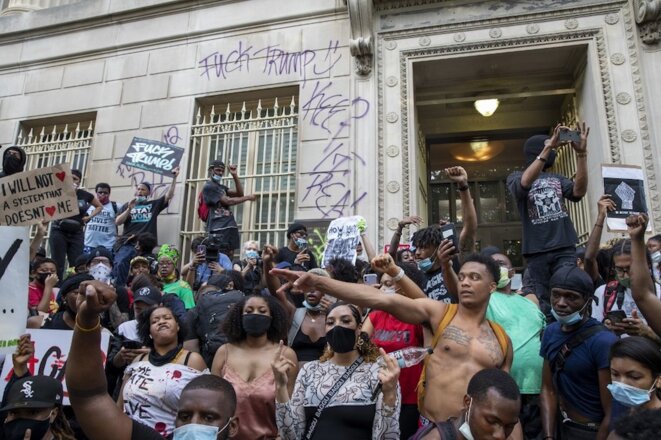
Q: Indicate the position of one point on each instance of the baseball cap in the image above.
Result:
(99, 251)
(34, 392)
(149, 295)
(216, 163)
(283, 265)
(295, 227)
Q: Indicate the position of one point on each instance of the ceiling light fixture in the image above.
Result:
(486, 107)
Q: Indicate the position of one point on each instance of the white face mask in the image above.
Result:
(100, 272)
(465, 428)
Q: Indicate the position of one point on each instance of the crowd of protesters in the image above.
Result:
(268, 344)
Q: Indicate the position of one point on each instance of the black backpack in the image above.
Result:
(212, 308)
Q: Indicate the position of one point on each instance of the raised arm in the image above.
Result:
(581, 177)
(384, 263)
(367, 244)
(238, 188)
(413, 311)
(468, 234)
(35, 244)
(98, 207)
(642, 286)
(397, 236)
(604, 205)
(86, 380)
(124, 215)
(173, 184)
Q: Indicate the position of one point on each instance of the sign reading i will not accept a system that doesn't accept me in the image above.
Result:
(37, 195)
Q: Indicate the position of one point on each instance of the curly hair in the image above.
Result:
(429, 236)
(642, 424)
(144, 326)
(232, 325)
(342, 270)
(364, 344)
(60, 427)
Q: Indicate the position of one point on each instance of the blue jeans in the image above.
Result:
(541, 267)
(122, 264)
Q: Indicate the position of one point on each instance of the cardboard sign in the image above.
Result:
(342, 238)
(154, 156)
(14, 279)
(41, 194)
(51, 350)
(626, 186)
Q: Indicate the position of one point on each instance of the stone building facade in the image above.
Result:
(331, 107)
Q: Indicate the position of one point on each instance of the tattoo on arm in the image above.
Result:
(454, 333)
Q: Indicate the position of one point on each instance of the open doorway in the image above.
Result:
(535, 89)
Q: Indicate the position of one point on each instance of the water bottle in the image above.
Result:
(409, 356)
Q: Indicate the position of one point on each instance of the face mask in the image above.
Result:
(656, 257)
(15, 430)
(255, 324)
(194, 431)
(12, 165)
(465, 428)
(426, 264)
(302, 243)
(311, 307)
(252, 255)
(628, 395)
(341, 339)
(504, 277)
(140, 200)
(100, 272)
(41, 277)
(216, 178)
(103, 199)
(624, 282)
(389, 290)
(569, 319)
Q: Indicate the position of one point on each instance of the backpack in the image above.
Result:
(211, 311)
(202, 208)
(450, 313)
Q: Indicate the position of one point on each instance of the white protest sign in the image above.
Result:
(342, 237)
(626, 186)
(51, 350)
(14, 279)
(41, 194)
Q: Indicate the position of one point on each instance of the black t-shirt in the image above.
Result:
(143, 432)
(84, 200)
(56, 322)
(286, 254)
(435, 287)
(143, 218)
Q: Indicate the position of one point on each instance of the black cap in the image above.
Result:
(533, 148)
(34, 392)
(216, 163)
(81, 260)
(572, 278)
(295, 227)
(77, 173)
(72, 283)
(149, 295)
(99, 251)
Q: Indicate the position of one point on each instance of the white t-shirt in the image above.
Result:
(627, 305)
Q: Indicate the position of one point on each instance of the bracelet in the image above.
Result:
(399, 276)
(88, 330)
(584, 154)
(462, 188)
(543, 159)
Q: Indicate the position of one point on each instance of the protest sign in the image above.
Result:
(626, 186)
(41, 194)
(154, 156)
(51, 350)
(342, 238)
(14, 279)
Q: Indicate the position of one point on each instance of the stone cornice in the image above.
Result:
(361, 43)
(648, 17)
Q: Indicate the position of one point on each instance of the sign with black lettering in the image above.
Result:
(41, 194)
(626, 186)
(14, 273)
(153, 156)
(51, 350)
(342, 238)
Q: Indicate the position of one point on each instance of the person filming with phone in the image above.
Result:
(549, 237)
(296, 252)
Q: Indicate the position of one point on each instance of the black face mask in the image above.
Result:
(15, 430)
(255, 324)
(341, 339)
(12, 165)
(41, 277)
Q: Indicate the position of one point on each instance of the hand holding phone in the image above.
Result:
(370, 279)
(616, 316)
(131, 345)
(569, 136)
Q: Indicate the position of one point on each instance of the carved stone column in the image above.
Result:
(648, 17)
(362, 40)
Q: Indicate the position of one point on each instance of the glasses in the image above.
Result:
(97, 260)
(622, 270)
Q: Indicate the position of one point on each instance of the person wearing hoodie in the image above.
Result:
(13, 161)
(549, 237)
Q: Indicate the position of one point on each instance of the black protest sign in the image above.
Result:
(154, 156)
(628, 195)
(37, 195)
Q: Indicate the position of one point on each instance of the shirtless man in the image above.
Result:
(468, 343)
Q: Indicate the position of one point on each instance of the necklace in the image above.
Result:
(312, 318)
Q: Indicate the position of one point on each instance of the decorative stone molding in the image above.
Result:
(392, 186)
(611, 19)
(393, 223)
(391, 45)
(392, 151)
(629, 136)
(424, 41)
(532, 28)
(391, 81)
(495, 33)
(648, 17)
(617, 58)
(572, 23)
(361, 42)
(392, 117)
(459, 37)
(623, 98)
